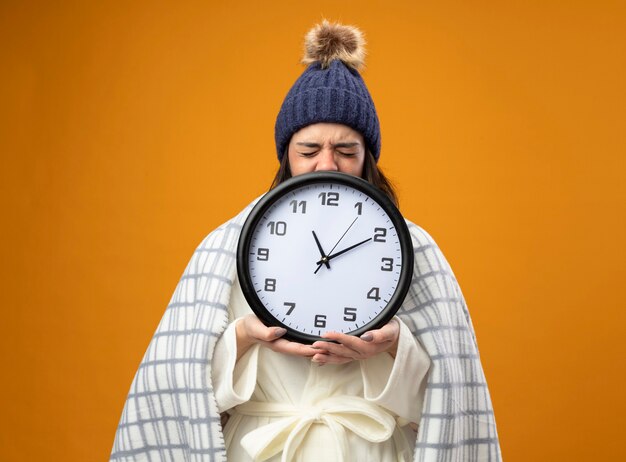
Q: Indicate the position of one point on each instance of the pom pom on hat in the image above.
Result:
(327, 42)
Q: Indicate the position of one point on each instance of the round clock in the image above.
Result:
(324, 251)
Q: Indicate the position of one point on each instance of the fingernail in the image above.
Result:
(367, 337)
(280, 332)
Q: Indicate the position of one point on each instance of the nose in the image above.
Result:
(326, 161)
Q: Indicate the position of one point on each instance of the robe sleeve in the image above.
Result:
(233, 381)
(398, 384)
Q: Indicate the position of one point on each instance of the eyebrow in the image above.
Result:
(336, 145)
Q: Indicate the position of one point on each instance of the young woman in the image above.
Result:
(412, 390)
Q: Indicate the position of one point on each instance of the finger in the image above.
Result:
(348, 341)
(322, 359)
(357, 348)
(388, 333)
(257, 330)
(337, 349)
(291, 348)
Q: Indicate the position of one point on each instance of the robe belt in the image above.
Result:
(369, 421)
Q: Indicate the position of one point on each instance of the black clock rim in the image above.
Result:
(243, 248)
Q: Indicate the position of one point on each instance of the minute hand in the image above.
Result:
(336, 254)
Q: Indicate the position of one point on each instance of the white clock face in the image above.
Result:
(309, 293)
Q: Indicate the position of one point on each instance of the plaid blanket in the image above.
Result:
(171, 414)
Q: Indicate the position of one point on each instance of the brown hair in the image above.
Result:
(371, 173)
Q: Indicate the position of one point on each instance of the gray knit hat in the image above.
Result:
(330, 89)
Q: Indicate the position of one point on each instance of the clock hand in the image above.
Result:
(324, 259)
(330, 257)
(346, 232)
(320, 263)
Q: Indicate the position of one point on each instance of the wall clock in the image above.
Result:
(324, 251)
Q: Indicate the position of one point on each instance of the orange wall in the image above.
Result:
(128, 132)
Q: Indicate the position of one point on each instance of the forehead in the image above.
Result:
(327, 132)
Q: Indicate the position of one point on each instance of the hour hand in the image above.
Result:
(341, 252)
(324, 259)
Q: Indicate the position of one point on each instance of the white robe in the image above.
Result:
(287, 407)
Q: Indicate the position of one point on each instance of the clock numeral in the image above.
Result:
(270, 285)
(330, 198)
(289, 305)
(387, 264)
(263, 254)
(374, 294)
(277, 227)
(295, 204)
(320, 320)
(349, 314)
(359, 208)
(380, 234)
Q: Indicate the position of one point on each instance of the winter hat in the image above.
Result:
(331, 88)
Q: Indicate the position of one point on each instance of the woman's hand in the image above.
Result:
(350, 348)
(251, 330)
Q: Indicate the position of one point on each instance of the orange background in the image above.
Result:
(130, 130)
